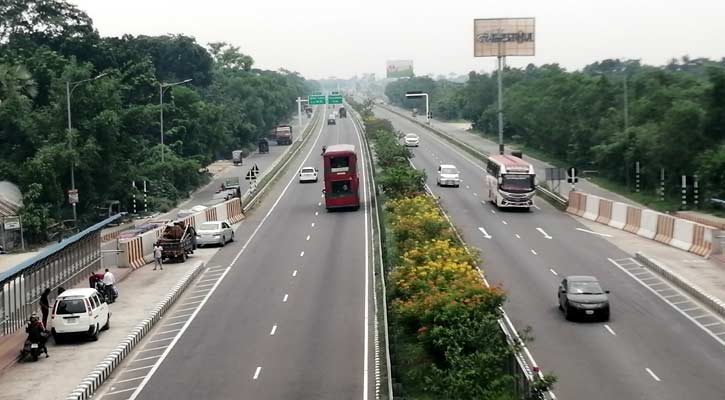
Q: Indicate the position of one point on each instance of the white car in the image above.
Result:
(411, 140)
(308, 174)
(214, 232)
(79, 311)
(448, 175)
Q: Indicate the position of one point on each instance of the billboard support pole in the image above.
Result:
(427, 109)
(500, 105)
(299, 112)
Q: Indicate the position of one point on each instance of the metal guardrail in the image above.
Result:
(61, 265)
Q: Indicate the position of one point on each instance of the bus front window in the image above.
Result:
(517, 183)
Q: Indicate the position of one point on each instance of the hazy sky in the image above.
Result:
(322, 38)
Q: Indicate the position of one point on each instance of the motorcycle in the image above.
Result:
(108, 294)
(36, 347)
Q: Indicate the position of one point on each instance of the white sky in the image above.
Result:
(323, 38)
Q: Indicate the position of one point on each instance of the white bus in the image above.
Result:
(511, 181)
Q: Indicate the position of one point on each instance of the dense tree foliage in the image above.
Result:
(115, 136)
(675, 121)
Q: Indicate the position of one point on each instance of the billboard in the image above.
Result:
(498, 37)
(400, 69)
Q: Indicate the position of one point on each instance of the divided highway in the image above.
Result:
(286, 311)
(648, 350)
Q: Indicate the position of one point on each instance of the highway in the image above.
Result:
(648, 350)
(285, 312)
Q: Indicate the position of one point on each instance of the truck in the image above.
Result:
(283, 134)
(343, 112)
(263, 146)
(177, 241)
(237, 157)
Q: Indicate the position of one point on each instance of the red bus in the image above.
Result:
(341, 180)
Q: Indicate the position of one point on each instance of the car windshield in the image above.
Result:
(308, 170)
(411, 136)
(449, 170)
(517, 183)
(209, 226)
(71, 306)
(585, 287)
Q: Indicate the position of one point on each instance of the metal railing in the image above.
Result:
(62, 265)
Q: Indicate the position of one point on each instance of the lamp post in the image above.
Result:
(162, 88)
(69, 88)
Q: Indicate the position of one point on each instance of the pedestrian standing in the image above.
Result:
(109, 280)
(158, 254)
(45, 305)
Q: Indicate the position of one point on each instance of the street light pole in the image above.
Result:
(162, 88)
(68, 91)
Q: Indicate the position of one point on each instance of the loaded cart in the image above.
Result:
(177, 241)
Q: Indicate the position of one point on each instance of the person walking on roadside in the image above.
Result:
(109, 280)
(158, 254)
(45, 305)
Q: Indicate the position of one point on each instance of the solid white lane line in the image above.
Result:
(302, 254)
(129, 380)
(534, 252)
(655, 377)
(308, 237)
(553, 272)
(274, 329)
(286, 296)
(505, 223)
(485, 234)
(609, 329)
(294, 273)
(546, 235)
(517, 236)
(256, 373)
(593, 233)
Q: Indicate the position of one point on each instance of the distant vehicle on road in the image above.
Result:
(448, 175)
(214, 232)
(308, 174)
(343, 112)
(331, 119)
(341, 179)
(79, 311)
(411, 140)
(583, 296)
(263, 146)
(177, 241)
(283, 134)
(510, 181)
(237, 157)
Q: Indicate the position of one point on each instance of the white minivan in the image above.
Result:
(79, 311)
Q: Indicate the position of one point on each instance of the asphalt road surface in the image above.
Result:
(285, 312)
(650, 349)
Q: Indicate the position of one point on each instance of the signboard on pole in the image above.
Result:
(73, 196)
(334, 99)
(11, 222)
(501, 37)
(316, 99)
(400, 69)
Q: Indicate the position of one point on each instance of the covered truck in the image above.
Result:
(343, 112)
(177, 241)
(263, 146)
(237, 157)
(283, 134)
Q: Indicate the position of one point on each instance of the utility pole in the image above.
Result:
(500, 104)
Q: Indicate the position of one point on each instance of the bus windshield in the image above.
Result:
(339, 164)
(517, 183)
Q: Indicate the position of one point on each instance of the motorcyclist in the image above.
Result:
(36, 332)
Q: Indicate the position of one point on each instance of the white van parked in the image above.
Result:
(79, 311)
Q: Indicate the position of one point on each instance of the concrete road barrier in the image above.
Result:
(604, 214)
(591, 209)
(648, 227)
(634, 219)
(701, 241)
(577, 203)
(665, 228)
(683, 234)
(619, 215)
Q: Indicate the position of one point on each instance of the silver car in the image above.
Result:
(214, 232)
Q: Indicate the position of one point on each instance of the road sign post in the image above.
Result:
(572, 177)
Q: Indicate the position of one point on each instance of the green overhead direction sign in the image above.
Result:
(334, 98)
(316, 99)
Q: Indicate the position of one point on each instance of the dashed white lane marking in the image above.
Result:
(175, 323)
(146, 358)
(468, 186)
(712, 324)
(655, 377)
(162, 340)
(286, 296)
(493, 212)
(274, 329)
(485, 234)
(302, 254)
(308, 237)
(546, 235)
(593, 233)
(319, 204)
(180, 316)
(152, 349)
(475, 194)
(317, 213)
(165, 332)
(609, 329)
(312, 224)
(256, 373)
(517, 236)
(534, 252)
(504, 222)
(553, 272)
(294, 273)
